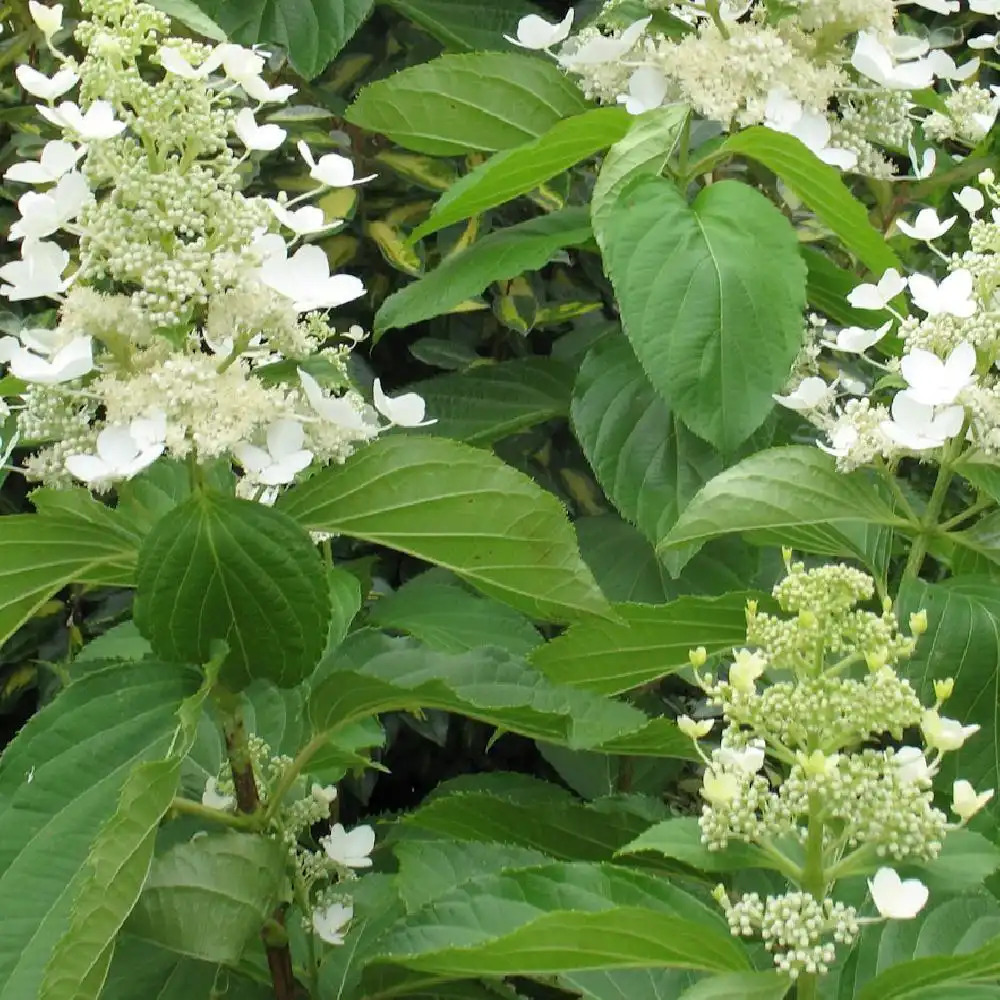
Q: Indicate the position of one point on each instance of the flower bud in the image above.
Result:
(944, 688)
(697, 657)
(48, 19)
(807, 619)
(694, 730)
(325, 795)
(746, 668)
(719, 787)
(786, 554)
(918, 622)
(966, 802)
(876, 659)
(817, 764)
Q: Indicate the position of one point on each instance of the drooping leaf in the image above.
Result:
(459, 103)
(501, 255)
(464, 27)
(448, 618)
(61, 780)
(649, 642)
(217, 568)
(489, 402)
(461, 508)
(715, 333)
(649, 464)
(513, 172)
(311, 31)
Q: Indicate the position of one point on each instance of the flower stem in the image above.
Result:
(291, 772)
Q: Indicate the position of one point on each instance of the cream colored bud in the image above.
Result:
(944, 688)
(986, 176)
(918, 622)
(697, 657)
(966, 801)
(694, 730)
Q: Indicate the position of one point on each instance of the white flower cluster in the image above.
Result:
(314, 874)
(950, 393)
(798, 774)
(833, 73)
(176, 328)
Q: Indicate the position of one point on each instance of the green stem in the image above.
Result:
(929, 522)
(814, 881)
(188, 807)
(291, 772)
(983, 503)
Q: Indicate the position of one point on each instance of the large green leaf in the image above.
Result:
(448, 618)
(217, 568)
(465, 27)
(492, 401)
(207, 897)
(118, 863)
(649, 642)
(461, 508)
(623, 562)
(499, 256)
(562, 917)
(513, 172)
(715, 332)
(629, 984)
(792, 496)
(820, 187)
(460, 103)
(486, 683)
(61, 780)
(649, 464)
(745, 985)
(312, 31)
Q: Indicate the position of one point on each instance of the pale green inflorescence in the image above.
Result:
(803, 769)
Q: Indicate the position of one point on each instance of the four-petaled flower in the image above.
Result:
(351, 849)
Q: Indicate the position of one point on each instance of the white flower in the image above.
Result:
(925, 166)
(809, 393)
(73, 360)
(647, 89)
(856, 339)
(175, 62)
(783, 113)
(325, 794)
(971, 199)
(214, 799)
(745, 670)
(333, 170)
(945, 734)
(349, 849)
(259, 90)
(257, 137)
(873, 60)
(334, 409)
(534, 32)
(878, 296)
(47, 88)
(953, 297)
(908, 46)
(239, 63)
(985, 7)
(37, 274)
(938, 6)
(44, 214)
(49, 19)
(403, 411)
(747, 761)
(122, 452)
(603, 49)
(330, 922)
(945, 68)
(58, 157)
(98, 122)
(719, 787)
(44, 341)
(694, 730)
(934, 382)
(911, 765)
(842, 439)
(301, 221)
(283, 459)
(305, 278)
(895, 898)
(966, 801)
(927, 226)
(982, 42)
(919, 427)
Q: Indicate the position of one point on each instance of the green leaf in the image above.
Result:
(41, 553)
(461, 508)
(489, 402)
(448, 618)
(122, 643)
(715, 333)
(623, 562)
(649, 642)
(220, 568)
(820, 187)
(499, 256)
(558, 918)
(628, 984)
(745, 985)
(311, 31)
(486, 683)
(792, 496)
(460, 103)
(188, 13)
(513, 172)
(648, 463)
(680, 840)
(61, 779)
(207, 897)
(166, 483)
(465, 27)
(345, 603)
(118, 863)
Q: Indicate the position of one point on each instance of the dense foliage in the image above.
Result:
(500, 501)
